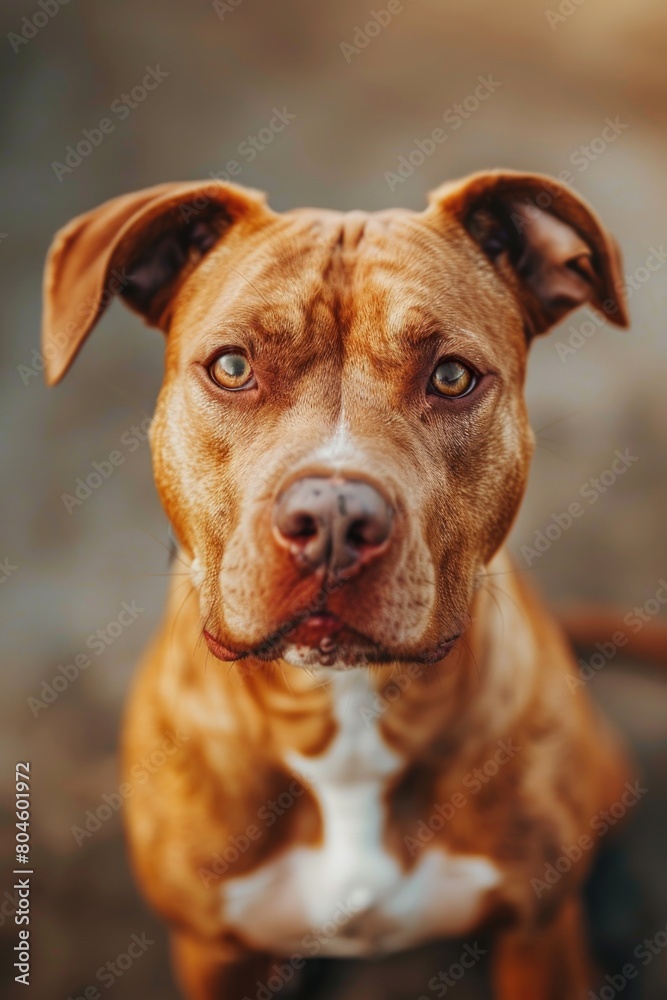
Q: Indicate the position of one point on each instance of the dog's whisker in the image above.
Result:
(515, 571)
(178, 612)
(510, 597)
(550, 451)
(434, 667)
(559, 420)
(285, 678)
(494, 598)
(168, 575)
(473, 658)
(171, 548)
(181, 583)
(254, 288)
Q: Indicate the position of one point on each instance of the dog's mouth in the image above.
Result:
(324, 639)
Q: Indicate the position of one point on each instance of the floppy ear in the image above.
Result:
(140, 246)
(543, 240)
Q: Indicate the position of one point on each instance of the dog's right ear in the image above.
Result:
(140, 246)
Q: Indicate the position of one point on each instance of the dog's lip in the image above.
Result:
(222, 652)
(317, 629)
(440, 650)
(321, 631)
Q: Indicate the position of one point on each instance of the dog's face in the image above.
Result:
(341, 442)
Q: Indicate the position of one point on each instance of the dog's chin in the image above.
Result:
(342, 657)
(346, 655)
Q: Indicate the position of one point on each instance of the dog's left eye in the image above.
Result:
(452, 378)
(232, 370)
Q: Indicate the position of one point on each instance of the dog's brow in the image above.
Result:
(429, 329)
(462, 331)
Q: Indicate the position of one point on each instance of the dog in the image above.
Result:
(377, 745)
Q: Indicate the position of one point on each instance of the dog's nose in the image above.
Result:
(338, 523)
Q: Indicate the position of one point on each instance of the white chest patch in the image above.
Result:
(348, 896)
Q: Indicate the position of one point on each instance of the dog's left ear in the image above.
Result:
(141, 247)
(544, 241)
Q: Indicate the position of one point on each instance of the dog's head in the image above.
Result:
(341, 441)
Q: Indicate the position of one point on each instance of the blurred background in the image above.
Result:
(360, 101)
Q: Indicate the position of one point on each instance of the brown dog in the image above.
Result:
(341, 445)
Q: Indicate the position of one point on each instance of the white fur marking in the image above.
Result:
(340, 447)
(349, 896)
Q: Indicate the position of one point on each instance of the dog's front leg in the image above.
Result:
(205, 971)
(549, 963)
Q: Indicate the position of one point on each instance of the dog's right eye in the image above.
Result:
(232, 370)
(453, 379)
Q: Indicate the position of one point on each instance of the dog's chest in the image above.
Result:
(348, 895)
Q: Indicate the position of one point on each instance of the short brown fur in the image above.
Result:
(343, 318)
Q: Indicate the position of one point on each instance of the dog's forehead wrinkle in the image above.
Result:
(335, 244)
(329, 273)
